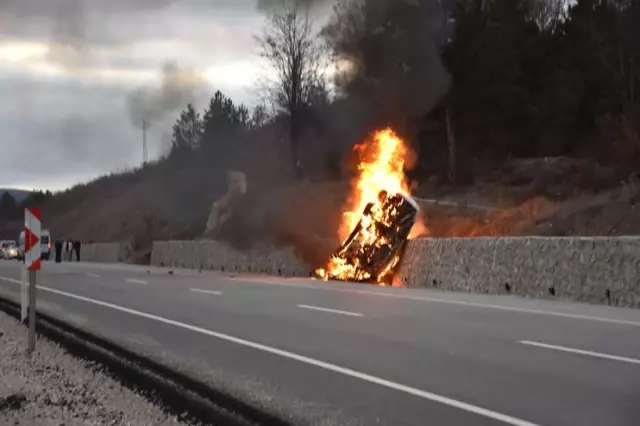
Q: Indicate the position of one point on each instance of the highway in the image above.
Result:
(345, 354)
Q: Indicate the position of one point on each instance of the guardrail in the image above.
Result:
(463, 205)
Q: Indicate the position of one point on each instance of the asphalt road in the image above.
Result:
(345, 354)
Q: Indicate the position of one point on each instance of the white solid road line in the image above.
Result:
(11, 280)
(92, 275)
(132, 280)
(304, 359)
(199, 290)
(333, 311)
(581, 352)
(450, 302)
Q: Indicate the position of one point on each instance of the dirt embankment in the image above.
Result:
(551, 198)
(613, 212)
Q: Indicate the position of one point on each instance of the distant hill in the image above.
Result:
(10, 226)
(18, 194)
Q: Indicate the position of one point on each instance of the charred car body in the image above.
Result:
(375, 246)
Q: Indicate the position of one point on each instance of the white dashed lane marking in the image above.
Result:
(213, 292)
(581, 352)
(332, 311)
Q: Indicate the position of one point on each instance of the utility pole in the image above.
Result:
(145, 156)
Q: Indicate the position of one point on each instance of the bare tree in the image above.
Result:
(289, 44)
(549, 13)
(259, 117)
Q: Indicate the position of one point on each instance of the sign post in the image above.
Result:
(32, 263)
(24, 294)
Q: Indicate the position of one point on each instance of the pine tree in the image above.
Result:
(188, 131)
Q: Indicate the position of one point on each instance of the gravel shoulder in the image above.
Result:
(52, 388)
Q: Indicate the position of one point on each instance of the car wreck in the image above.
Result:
(375, 246)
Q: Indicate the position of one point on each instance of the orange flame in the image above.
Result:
(383, 160)
(382, 167)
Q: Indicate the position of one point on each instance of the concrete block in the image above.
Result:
(105, 252)
(217, 255)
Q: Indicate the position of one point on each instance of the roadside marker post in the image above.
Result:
(32, 264)
(24, 293)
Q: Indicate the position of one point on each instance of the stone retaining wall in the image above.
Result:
(594, 270)
(216, 255)
(105, 252)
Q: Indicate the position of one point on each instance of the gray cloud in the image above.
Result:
(270, 5)
(72, 14)
(73, 27)
(67, 21)
(59, 129)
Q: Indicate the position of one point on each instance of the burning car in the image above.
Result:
(374, 247)
(379, 216)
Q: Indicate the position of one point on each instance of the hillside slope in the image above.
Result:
(158, 202)
(18, 194)
(163, 200)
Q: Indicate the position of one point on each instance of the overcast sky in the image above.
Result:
(72, 73)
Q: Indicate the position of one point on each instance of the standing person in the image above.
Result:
(76, 247)
(58, 247)
(67, 250)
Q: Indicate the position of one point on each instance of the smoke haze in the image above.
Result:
(178, 87)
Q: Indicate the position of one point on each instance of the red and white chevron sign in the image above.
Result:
(32, 238)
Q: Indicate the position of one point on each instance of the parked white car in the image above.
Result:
(8, 250)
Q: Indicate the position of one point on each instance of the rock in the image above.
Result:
(222, 208)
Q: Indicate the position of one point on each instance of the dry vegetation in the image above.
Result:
(554, 197)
